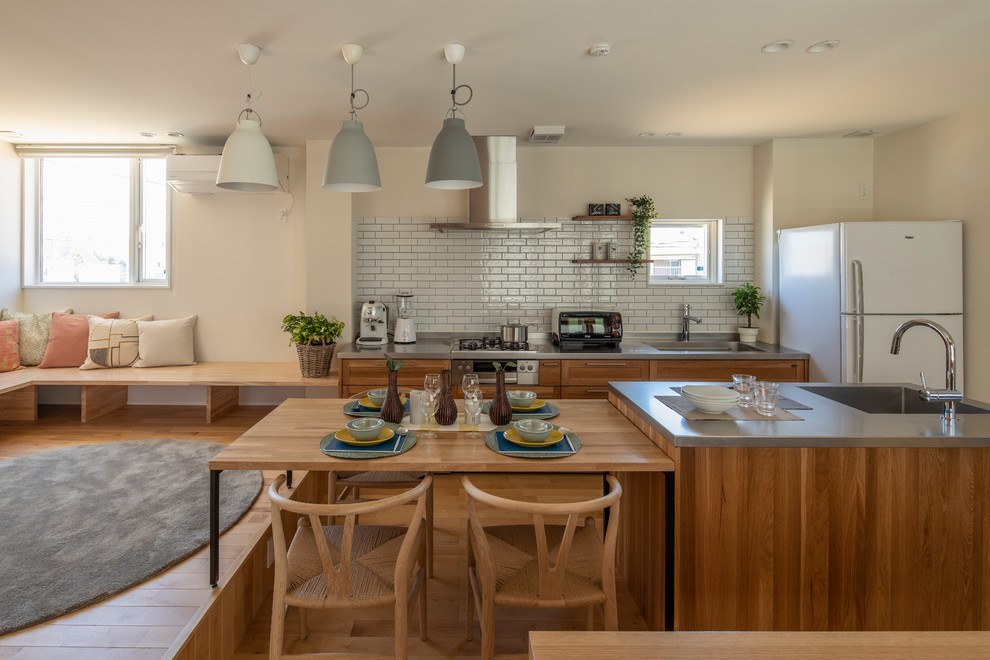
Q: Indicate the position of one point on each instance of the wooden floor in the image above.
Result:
(144, 621)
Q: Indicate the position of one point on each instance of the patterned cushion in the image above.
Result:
(32, 334)
(9, 358)
(112, 343)
(68, 340)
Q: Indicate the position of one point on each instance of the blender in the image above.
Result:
(405, 327)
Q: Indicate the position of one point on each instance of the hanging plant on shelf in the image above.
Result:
(643, 212)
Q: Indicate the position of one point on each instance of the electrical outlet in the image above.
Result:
(865, 191)
(283, 216)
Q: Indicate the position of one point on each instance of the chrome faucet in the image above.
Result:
(686, 320)
(949, 395)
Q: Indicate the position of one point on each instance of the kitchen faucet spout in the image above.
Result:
(949, 395)
(686, 320)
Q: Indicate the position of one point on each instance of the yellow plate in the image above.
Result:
(554, 437)
(345, 436)
(366, 402)
(537, 404)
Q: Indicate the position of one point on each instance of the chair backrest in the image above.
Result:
(551, 569)
(337, 573)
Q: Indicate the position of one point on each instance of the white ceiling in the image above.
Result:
(105, 70)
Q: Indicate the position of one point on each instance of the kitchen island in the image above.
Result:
(838, 520)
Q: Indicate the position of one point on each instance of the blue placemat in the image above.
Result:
(547, 411)
(496, 442)
(331, 446)
(355, 409)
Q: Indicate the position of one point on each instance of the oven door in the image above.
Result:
(485, 370)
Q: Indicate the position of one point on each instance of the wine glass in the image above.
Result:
(471, 384)
(428, 404)
(432, 384)
(472, 411)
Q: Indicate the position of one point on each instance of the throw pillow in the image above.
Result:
(112, 343)
(9, 358)
(32, 334)
(165, 343)
(68, 340)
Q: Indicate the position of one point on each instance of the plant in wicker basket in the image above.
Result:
(315, 339)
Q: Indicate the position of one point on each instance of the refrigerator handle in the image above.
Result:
(857, 276)
(860, 341)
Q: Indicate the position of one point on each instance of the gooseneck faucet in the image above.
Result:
(686, 320)
(949, 395)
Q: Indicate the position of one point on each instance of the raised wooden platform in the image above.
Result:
(105, 390)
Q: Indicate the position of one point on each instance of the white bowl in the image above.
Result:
(710, 392)
(710, 406)
(377, 397)
(533, 430)
(365, 428)
(520, 398)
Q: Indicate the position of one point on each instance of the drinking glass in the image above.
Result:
(766, 397)
(428, 404)
(432, 384)
(472, 412)
(471, 384)
(743, 383)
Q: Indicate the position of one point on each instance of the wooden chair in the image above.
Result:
(348, 566)
(537, 564)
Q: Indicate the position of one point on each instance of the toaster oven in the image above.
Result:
(586, 327)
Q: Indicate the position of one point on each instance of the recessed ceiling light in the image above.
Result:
(176, 134)
(823, 46)
(674, 134)
(647, 134)
(777, 46)
(600, 50)
(147, 134)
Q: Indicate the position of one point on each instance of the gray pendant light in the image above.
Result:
(247, 163)
(351, 164)
(454, 161)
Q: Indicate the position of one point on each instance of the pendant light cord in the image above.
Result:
(453, 93)
(248, 98)
(367, 97)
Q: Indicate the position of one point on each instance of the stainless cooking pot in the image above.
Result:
(515, 333)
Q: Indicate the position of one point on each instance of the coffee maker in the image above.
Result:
(405, 327)
(373, 325)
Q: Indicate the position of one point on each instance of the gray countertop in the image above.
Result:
(427, 347)
(826, 424)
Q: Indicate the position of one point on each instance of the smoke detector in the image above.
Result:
(600, 50)
(547, 134)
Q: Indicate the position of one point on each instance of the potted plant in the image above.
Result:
(315, 339)
(643, 212)
(748, 301)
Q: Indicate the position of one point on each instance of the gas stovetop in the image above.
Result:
(493, 344)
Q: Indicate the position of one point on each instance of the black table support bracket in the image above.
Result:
(214, 527)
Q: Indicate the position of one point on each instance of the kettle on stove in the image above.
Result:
(373, 324)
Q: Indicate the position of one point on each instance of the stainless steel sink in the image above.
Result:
(703, 347)
(887, 400)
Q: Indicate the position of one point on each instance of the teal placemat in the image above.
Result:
(548, 411)
(496, 441)
(355, 409)
(331, 446)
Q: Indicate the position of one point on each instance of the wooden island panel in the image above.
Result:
(780, 371)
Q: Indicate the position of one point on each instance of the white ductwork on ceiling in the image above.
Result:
(196, 174)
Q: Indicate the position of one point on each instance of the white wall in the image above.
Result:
(938, 171)
(10, 227)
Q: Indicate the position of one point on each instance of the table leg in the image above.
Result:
(668, 577)
(214, 527)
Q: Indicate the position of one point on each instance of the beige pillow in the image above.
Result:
(165, 343)
(32, 334)
(112, 343)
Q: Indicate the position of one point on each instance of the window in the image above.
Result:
(687, 251)
(100, 220)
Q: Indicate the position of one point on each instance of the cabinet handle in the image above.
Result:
(404, 362)
(606, 364)
(550, 364)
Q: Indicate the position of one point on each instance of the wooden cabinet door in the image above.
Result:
(550, 373)
(597, 373)
(780, 371)
(373, 372)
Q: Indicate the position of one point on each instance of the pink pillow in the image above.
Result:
(9, 356)
(68, 340)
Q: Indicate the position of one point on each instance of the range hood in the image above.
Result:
(493, 205)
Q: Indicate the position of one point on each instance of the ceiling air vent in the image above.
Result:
(547, 134)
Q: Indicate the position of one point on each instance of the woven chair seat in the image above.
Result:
(517, 569)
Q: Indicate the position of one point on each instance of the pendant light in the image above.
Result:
(454, 161)
(247, 163)
(351, 164)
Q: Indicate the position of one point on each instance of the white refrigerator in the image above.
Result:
(845, 287)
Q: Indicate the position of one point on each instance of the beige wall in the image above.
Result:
(938, 171)
(233, 263)
(765, 238)
(10, 227)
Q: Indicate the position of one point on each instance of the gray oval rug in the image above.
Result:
(81, 524)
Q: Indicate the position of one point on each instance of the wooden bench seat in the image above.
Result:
(105, 390)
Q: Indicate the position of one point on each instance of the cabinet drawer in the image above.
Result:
(373, 372)
(550, 373)
(590, 392)
(599, 372)
(781, 371)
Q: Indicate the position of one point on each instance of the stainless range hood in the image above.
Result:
(493, 205)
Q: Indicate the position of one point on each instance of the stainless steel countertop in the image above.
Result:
(827, 424)
(633, 348)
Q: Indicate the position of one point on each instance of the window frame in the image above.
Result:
(33, 252)
(716, 252)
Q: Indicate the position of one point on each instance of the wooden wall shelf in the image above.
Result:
(608, 261)
(602, 217)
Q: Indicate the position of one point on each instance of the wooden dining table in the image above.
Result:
(289, 438)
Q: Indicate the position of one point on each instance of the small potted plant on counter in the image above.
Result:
(748, 301)
(315, 339)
